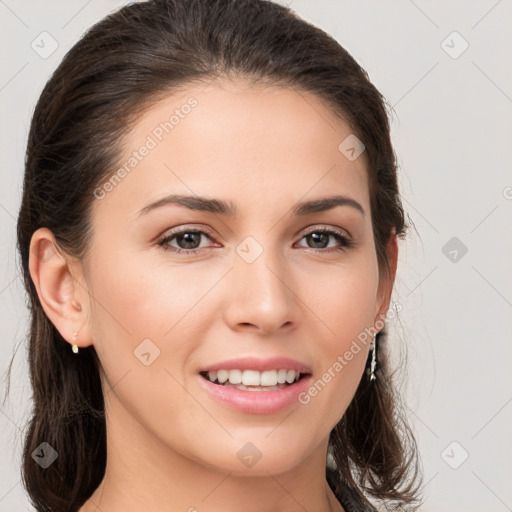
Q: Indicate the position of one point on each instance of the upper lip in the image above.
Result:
(259, 364)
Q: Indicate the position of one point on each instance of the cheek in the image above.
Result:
(143, 322)
(149, 313)
(345, 305)
(144, 300)
(344, 299)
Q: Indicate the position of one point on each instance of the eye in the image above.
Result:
(320, 236)
(188, 237)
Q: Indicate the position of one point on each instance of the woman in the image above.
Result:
(208, 236)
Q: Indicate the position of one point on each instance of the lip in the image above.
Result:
(256, 402)
(259, 364)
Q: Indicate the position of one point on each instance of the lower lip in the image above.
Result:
(257, 402)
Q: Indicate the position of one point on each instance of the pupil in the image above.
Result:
(322, 236)
(187, 237)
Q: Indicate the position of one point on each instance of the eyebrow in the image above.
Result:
(228, 208)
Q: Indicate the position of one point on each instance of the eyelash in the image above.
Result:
(346, 243)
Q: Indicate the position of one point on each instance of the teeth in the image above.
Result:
(269, 378)
(255, 388)
(235, 376)
(281, 376)
(222, 376)
(249, 377)
(290, 376)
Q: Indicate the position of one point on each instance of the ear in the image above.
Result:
(386, 281)
(61, 288)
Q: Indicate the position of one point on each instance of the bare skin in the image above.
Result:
(171, 446)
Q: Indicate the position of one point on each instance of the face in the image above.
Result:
(175, 290)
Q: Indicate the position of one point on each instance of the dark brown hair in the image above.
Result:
(125, 63)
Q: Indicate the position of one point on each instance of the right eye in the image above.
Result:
(186, 237)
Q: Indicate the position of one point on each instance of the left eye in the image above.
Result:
(191, 239)
(319, 235)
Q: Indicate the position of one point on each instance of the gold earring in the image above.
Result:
(74, 346)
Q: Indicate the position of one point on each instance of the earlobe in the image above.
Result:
(59, 292)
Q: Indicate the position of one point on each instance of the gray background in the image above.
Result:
(452, 133)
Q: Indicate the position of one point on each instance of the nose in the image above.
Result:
(261, 295)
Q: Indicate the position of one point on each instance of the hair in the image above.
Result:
(124, 64)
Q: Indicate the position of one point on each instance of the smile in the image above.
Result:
(242, 397)
(253, 380)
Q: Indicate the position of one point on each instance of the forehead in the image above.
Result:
(250, 143)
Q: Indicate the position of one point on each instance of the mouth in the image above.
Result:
(256, 385)
(254, 380)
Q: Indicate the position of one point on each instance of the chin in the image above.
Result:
(258, 457)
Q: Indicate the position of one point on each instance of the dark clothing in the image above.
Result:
(350, 499)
